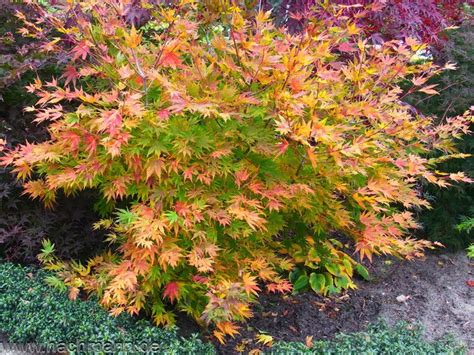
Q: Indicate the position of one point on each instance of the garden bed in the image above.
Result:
(438, 298)
(435, 292)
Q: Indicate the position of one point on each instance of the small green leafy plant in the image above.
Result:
(380, 339)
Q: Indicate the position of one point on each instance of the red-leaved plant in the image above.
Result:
(425, 20)
(217, 133)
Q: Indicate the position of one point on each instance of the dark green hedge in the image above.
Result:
(378, 339)
(32, 312)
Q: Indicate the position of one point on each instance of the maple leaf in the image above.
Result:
(460, 176)
(429, 90)
(154, 167)
(220, 336)
(73, 293)
(228, 328)
(132, 39)
(241, 176)
(200, 279)
(125, 72)
(282, 147)
(170, 59)
(171, 291)
(282, 286)
(252, 218)
(70, 74)
(418, 81)
(170, 257)
(265, 339)
(347, 47)
(90, 143)
(125, 280)
(81, 50)
(35, 188)
(110, 122)
(163, 114)
(250, 285)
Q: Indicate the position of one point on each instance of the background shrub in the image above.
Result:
(425, 20)
(455, 203)
(25, 223)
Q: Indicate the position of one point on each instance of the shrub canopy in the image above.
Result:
(212, 135)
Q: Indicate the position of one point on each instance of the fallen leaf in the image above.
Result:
(293, 329)
(403, 298)
(265, 339)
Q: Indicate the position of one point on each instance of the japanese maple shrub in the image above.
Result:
(425, 20)
(217, 132)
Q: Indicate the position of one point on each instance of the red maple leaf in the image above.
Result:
(81, 50)
(282, 147)
(171, 291)
(346, 47)
(70, 74)
(200, 279)
(90, 143)
(111, 121)
(241, 176)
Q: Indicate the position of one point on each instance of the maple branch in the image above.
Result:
(165, 41)
(237, 53)
(447, 109)
(142, 75)
(298, 48)
(443, 89)
(259, 67)
(302, 162)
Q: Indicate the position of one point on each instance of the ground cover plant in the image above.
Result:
(378, 339)
(33, 312)
(230, 150)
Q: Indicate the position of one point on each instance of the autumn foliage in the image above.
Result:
(426, 20)
(231, 150)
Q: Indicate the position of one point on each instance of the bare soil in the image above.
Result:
(435, 290)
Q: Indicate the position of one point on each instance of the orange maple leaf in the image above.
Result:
(250, 285)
